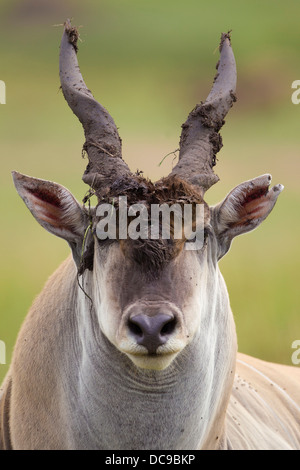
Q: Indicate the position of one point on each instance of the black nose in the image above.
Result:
(153, 331)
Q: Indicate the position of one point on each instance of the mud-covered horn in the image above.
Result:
(103, 144)
(200, 139)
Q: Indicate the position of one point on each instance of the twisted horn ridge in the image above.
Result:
(200, 139)
(103, 144)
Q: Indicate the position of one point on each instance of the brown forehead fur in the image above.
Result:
(141, 190)
(152, 255)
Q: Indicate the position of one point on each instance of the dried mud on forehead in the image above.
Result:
(168, 190)
(150, 255)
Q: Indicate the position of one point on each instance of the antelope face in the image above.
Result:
(149, 317)
(149, 287)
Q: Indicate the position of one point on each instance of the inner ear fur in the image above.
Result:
(53, 206)
(243, 209)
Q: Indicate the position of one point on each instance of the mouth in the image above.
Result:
(158, 360)
(151, 333)
(154, 361)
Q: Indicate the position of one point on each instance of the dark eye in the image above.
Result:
(206, 233)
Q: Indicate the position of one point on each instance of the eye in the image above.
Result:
(207, 232)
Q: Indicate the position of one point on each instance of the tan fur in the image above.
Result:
(264, 409)
(5, 397)
(34, 397)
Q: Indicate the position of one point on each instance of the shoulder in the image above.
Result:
(264, 409)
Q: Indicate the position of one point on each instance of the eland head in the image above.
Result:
(151, 306)
(150, 294)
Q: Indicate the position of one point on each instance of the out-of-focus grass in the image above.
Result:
(149, 63)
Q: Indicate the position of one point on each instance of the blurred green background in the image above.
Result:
(149, 63)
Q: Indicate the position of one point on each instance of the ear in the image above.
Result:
(243, 210)
(54, 207)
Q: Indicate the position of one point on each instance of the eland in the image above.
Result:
(132, 342)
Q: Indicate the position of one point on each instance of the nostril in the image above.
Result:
(169, 327)
(151, 331)
(135, 329)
